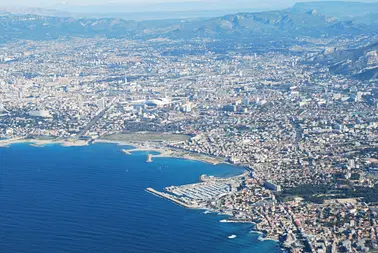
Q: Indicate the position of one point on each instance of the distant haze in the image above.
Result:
(149, 9)
(113, 5)
(146, 9)
(219, 3)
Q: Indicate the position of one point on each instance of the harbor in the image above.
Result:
(171, 198)
(242, 198)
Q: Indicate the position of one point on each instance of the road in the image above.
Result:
(94, 120)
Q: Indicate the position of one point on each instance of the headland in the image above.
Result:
(241, 198)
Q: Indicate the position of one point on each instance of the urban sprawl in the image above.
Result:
(308, 138)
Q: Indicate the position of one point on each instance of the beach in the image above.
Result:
(42, 142)
(163, 151)
(137, 147)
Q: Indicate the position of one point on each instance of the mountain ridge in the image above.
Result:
(361, 62)
(285, 23)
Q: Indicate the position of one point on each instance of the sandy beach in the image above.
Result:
(163, 151)
(137, 146)
(41, 143)
(189, 156)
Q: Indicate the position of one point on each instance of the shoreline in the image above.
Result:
(41, 143)
(165, 152)
(263, 236)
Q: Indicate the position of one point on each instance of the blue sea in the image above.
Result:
(92, 199)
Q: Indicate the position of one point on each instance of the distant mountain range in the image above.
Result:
(300, 20)
(143, 10)
(34, 11)
(338, 9)
(318, 19)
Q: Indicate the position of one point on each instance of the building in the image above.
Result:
(271, 186)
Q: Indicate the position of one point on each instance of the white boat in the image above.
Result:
(232, 236)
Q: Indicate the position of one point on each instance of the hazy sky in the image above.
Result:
(186, 4)
(221, 3)
(103, 2)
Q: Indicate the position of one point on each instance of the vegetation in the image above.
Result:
(319, 193)
(309, 192)
(369, 195)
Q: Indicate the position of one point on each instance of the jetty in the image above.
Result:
(170, 197)
(149, 158)
(127, 152)
(237, 220)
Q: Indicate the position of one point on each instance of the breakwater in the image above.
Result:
(171, 198)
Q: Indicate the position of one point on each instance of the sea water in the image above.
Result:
(93, 199)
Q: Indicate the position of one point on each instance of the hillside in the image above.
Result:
(338, 9)
(272, 24)
(359, 62)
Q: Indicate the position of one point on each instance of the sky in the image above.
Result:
(45, 3)
(169, 5)
(110, 6)
(118, 2)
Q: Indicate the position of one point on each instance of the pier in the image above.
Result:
(231, 220)
(149, 158)
(170, 197)
(127, 152)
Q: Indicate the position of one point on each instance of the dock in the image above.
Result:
(170, 197)
(237, 221)
(149, 158)
(127, 152)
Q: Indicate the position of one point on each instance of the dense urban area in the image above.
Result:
(307, 136)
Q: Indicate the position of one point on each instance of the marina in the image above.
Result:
(171, 198)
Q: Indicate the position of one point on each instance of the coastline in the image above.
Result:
(164, 209)
(41, 142)
(263, 235)
(164, 152)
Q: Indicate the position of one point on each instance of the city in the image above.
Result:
(307, 136)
